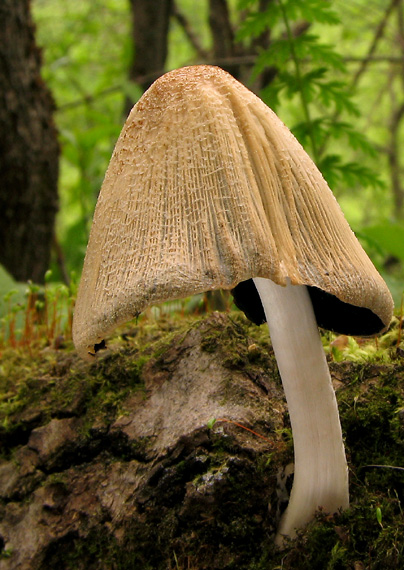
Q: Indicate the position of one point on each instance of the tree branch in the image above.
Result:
(187, 28)
(228, 62)
(372, 48)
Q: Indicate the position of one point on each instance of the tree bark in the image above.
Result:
(396, 124)
(150, 37)
(393, 155)
(29, 149)
(222, 31)
(225, 47)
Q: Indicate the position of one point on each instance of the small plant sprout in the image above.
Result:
(207, 189)
(379, 516)
(42, 316)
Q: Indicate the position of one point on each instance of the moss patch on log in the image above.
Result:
(117, 464)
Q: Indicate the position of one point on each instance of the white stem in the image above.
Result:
(321, 473)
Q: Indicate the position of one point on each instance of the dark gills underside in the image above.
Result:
(331, 313)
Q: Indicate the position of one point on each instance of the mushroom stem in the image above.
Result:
(321, 472)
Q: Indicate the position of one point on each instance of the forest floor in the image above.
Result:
(145, 459)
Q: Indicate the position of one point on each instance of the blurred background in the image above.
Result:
(71, 71)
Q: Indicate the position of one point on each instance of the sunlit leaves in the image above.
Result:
(255, 21)
(338, 173)
(313, 74)
(86, 48)
(334, 94)
(312, 11)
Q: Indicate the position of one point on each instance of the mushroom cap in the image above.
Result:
(207, 188)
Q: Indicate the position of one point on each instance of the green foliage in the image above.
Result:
(384, 242)
(88, 50)
(313, 73)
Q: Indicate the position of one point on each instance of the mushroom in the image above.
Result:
(208, 189)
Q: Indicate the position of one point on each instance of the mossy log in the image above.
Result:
(119, 464)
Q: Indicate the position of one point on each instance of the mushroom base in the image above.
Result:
(321, 472)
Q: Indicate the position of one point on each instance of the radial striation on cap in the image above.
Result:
(207, 188)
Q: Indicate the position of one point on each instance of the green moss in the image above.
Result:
(76, 553)
(371, 414)
(55, 384)
(208, 507)
(353, 539)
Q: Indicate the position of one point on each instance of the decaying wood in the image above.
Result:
(152, 474)
(113, 466)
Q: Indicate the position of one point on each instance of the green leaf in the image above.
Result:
(211, 423)
(324, 54)
(351, 174)
(388, 236)
(379, 516)
(334, 94)
(257, 22)
(278, 54)
(11, 291)
(271, 94)
(313, 11)
(316, 128)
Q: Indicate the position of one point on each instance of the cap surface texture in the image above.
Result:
(207, 188)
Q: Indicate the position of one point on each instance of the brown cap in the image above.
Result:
(207, 188)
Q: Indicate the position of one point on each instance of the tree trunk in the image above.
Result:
(150, 38)
(394, 154)
(225, 48)
(28, 149)
(394, 150)
(222, 32)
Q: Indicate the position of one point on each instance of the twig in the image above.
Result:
(185, 25)
(227, 62)
(385, 467)
(378, 35)
(365, 61)
(88, 98)
(246, 428)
